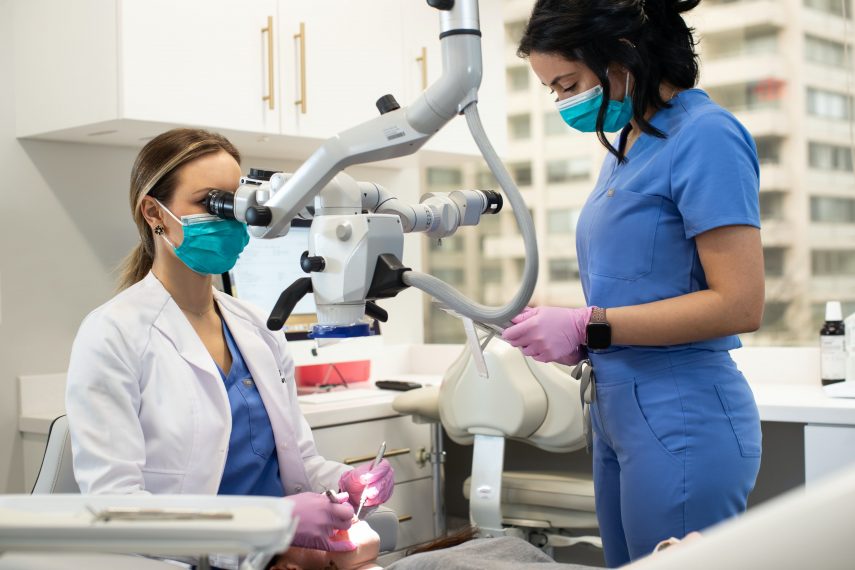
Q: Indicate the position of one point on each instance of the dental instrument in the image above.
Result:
(379, 457)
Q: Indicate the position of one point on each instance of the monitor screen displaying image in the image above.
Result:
(266, 268)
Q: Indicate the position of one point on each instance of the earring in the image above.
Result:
(158, 229)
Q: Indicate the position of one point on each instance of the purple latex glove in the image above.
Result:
(319, 518)
(380, 482)
(550, 334)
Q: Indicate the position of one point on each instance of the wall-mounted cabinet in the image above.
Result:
(120, 71)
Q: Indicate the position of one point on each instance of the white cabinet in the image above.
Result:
(121, 71)
(198, 62)
(85, 65)
(349, 58)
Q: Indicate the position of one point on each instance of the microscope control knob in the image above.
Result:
(311, 263)
(343, 231)
(387, 103)
(441, 4)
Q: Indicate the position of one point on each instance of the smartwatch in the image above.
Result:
(599, 331)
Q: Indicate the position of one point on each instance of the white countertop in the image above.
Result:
(785, 382)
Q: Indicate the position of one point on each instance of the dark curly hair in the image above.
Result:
(648, 37)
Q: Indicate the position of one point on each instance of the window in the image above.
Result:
(491, 275)
(832, 210)
(762, 94)
(833, 262)
(830, 157)
(514, 32)
(772, 205)
(828, 104)
(768, 150)
(452, 276)
(773, 261)
(521, 173)
(517, 78)
(444, 177)
(833, 7)
(519, 126)
(563, 269)
(827, 52)
(748, 41)
(561, 221)
(568, 170)
(553, 124)
(774, 314)
(484, 179)
(447, 245)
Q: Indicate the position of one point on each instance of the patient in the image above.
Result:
(367, 547)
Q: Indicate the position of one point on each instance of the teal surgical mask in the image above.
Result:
(211, 245)
(580, 111)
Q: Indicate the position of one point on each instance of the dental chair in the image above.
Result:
(57, 476)
(522, 400)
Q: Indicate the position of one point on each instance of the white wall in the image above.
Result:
(64, 227)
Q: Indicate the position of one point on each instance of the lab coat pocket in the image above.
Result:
(622, 235)
(260, 431)
(738, 403)
(163, 481)
(657, 403)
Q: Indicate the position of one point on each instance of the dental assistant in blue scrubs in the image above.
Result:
(671, 266)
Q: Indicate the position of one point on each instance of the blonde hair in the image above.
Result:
(155, 174)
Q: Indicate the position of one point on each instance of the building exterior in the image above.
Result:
(786, 69)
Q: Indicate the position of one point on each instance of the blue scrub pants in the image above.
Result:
(676, 446)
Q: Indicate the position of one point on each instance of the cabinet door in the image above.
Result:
(423, 66)
(199, 62)
(349, 57)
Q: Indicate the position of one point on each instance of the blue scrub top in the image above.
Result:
(252, 465)
(635, 236)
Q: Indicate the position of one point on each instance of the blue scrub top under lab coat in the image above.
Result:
(635, 236)
(252, 465)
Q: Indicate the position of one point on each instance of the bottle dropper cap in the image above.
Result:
(833, 311)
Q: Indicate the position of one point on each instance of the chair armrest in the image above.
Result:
(423, 402)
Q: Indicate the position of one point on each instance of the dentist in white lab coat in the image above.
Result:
(174, 387)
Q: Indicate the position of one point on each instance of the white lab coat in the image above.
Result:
(148, 410)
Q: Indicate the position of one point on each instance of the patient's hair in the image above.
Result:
(450, 539)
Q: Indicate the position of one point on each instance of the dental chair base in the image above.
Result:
(527, 401)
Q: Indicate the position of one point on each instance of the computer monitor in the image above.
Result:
(265, 268)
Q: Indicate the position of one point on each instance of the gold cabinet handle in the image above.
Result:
(270, 81)
(364, 458)
(302, 37)
(423, 60)
(405, 518)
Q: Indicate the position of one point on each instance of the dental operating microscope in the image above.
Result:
(354, 253)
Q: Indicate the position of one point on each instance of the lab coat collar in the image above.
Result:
(175, 326)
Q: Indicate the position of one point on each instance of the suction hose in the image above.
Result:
(453, 298)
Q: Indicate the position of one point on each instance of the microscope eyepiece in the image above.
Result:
(221, 204)
(494, 202)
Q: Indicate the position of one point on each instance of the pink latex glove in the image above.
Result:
(319, 518)
(550, 334)
(380, 482)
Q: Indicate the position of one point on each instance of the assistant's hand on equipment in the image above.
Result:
(319, 519)
(550, 334)
(380, 481)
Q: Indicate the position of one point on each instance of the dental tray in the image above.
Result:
(164, 525)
